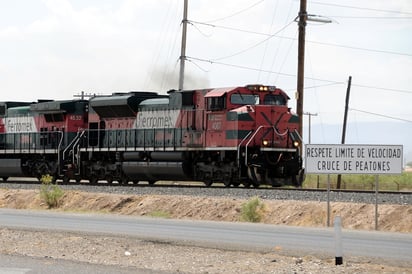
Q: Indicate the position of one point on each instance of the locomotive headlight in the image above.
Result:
(295, 138)
(265, 143)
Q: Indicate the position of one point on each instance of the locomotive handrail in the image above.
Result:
(69, 146)
(76, 145)
(240, 144)
(73, 144)
(58, 149)
(250, 140)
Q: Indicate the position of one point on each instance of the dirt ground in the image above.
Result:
(393, 218)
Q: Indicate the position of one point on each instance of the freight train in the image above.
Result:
(237, 135)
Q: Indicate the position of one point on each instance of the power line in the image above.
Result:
(256, 69)
(237, 13)
(381, 88)
(330, 82)
(292, 38)
(359, 8)
(324, 85)
(255, 45)
(381, 115)
(369, 17)
(228, 28)
(359, 48)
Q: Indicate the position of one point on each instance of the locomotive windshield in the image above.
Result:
(244, 99)
(272, 99)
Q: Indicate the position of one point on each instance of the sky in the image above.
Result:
(54, 49)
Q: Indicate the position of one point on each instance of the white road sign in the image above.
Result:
(353, 159)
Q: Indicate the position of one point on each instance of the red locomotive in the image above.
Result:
(239, 135)
(35, 138)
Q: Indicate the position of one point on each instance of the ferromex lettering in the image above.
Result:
(156, 119)
(20, 124)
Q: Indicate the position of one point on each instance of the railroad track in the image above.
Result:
(218, 190)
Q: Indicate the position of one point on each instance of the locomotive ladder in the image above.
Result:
(72, 151)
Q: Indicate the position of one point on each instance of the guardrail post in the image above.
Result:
(338, 241)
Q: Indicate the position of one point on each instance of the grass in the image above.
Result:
(49, 192)
(401, 182)
(252, 210)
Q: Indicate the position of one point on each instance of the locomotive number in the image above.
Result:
(215, 121)
(75, 117)
(217, 125)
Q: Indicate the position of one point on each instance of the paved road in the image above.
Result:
(298, 240)
(27, 265)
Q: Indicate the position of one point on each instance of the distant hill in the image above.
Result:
(388, 133)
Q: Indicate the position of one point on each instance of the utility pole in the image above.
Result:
(310, 123)
(345, 118)
(183, 46)
(303, 18)
(301, 64)
(84, 95)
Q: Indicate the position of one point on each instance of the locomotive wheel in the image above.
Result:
(298, 179)
(208, 182)
(109, 179)
(124, 180)
(247, 184)
(272, 181)
(5, 179)
(151, 182)
(254, 176)
(66, 180)
(93, 180)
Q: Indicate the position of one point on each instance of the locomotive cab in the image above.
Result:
(258, 122)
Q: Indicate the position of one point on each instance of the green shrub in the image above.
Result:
(252, 210)
(49, 192)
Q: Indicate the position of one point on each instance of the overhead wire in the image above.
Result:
(163, 36)
(228, 28)
(382, 88)
(381, 115)
(266, 46)
(360, 48)
(286, 56)
(370, 17)
(330, 82)
(255, 45)
(324, 85)
(256, 69)
(316, 94)
(237, 13)
(359, 8)
(275, 56)
(307, 41)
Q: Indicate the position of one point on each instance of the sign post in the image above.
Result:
(352, 159)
